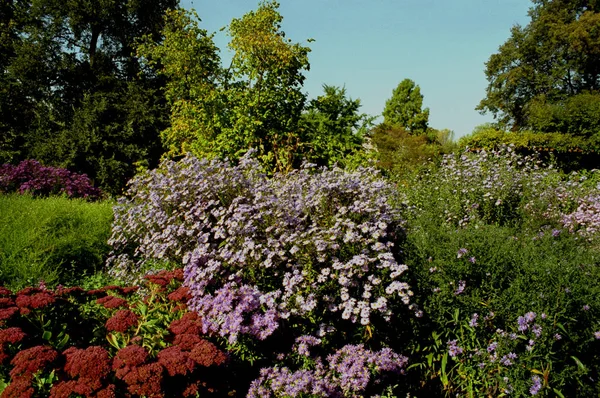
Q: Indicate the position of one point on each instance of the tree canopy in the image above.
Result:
(546, 76)
(257, 101)
(72, 93)
(404, 108)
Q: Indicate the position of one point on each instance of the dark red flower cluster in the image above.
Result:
(188, 324)
(88, 368)
(19, 388)
(11, 335)
(121, 321)
(4, 291)
(145, 380)
(186, 341)
(67, 291)
(66, 389)
(164, 277)
(207, 354)
(176, 361)
(181, 294)
(34, 301)
(126, 291)
(29, 361)
(128, 358)
(7, 308)
(111, 302)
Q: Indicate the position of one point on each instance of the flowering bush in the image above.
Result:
(74, 342)
(345, 373)
(312, 248)
(30, 176)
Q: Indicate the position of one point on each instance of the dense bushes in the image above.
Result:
(57, 240)
(31, 177)
(268, 261)
(508, 287)
(569, 151)
(477, 278)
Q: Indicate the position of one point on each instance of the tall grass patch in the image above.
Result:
(57, 240)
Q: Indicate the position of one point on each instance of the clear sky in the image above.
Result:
(369, 46)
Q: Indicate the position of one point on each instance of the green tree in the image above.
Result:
(255, 102)
(189, 61)
(333, 130)
(78, 91)
(404, 108)
(546, 76)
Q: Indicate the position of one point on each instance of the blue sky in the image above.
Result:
(369, 46)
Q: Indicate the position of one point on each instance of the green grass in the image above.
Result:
(56, 239)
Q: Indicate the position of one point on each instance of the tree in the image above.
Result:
(404, 108)
(79, 93)
(333, 130)
(255, 102)
(546, 76)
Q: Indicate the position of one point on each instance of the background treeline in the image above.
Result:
(108, 88)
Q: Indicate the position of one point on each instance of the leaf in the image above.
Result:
(444, 376)
(112, 340)
(557, 392)
(580, 365)
(47, 335)
(63, 341)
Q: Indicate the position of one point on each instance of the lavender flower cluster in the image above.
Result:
(500, 185)
(484, 185)
(348, 372)
(258, 250)
(32, 177)
(585, 220)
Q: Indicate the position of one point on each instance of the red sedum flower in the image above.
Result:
(29, 361)
(121, 321)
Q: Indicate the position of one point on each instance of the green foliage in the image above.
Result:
(72, 93)
(333, 130)
(491, 138)
(404, 108)
(511, 256)
(568, 151)
(254, 103)
(577, 115)
(401, 153)
(545, 76)
(189, 60)
(56, 240)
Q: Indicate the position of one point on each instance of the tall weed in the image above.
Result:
(53, 239)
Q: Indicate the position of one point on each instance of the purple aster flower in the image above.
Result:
(586, 307)
(597, 335)
(461, 252)
(472, 260)
(460, 288)
(473, 321)
(453, 349)
(536, 386)
(523, 325)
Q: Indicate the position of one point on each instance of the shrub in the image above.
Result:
(30, 176)
(57, 240)
(480, 266)
(310, 252)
